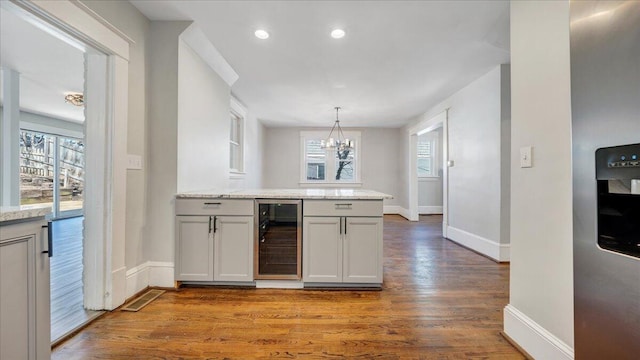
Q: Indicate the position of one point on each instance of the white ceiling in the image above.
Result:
(47, 70)
(398, 59)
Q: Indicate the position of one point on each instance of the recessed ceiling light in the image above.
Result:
(337, 34)
(262, 34)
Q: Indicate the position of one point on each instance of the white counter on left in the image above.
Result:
(11, 213)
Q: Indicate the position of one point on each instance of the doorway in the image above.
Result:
(431, 165)
(51, 149)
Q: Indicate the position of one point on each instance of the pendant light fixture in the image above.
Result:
(340, 143)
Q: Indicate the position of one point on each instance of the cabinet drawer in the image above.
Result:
(342, 208)
(213, 207)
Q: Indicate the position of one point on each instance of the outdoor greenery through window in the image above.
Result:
(328, 165)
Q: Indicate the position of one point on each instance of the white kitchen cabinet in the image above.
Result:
(194, 248)
(342, 249)
(25, 318)
(322, 249)
(233, 239)
(362, 250)
(214, 240)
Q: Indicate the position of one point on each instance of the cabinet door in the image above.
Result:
(194, 249)
(233, 248)
(362, 261)
(322, 249)
(24, 292)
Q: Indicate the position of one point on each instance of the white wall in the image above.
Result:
(163, 139)
(541, 205)
(478, 207)
(380, 159)
(204, 105)
(430, 189)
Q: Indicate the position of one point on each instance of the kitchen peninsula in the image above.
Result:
(291, 238)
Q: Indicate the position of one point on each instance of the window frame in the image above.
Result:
(330, 160)
(239, 111)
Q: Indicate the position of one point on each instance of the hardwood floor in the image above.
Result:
(67, 310)
(439, 301)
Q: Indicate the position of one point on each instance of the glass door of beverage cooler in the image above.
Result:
(278, 239)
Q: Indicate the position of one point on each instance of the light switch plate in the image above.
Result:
(134, 162)
(525, 157)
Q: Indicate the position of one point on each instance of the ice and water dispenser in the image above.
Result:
(618, 179)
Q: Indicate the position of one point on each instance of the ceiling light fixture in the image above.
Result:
(261, 34)
(337, 34)
(74, 99)
(341, 143)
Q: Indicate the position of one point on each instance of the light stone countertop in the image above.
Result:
(11, 213)
(332, 194)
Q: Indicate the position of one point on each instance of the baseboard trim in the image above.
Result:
(137, 279)
(430, 210)
(396, 210)
(535, 340)
(486, 247)
(150, 273)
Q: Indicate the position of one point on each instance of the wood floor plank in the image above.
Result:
(439, 301)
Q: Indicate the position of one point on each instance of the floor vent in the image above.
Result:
(142, 301)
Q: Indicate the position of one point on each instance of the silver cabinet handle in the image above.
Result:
(343, 206)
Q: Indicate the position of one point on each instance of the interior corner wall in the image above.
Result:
(162, 132)
(505, 154)
(204, 105)
(380, 161)
(541, 285)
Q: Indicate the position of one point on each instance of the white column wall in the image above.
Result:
(540, 313)
(9, 131)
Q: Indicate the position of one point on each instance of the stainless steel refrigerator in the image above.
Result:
(605, 102)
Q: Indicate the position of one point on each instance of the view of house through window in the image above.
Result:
(44, 158)
(328, 165)
(425, 159)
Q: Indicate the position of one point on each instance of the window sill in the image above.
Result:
(310, 184)
(429, 178)
(237, 175)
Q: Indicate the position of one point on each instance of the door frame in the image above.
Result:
(105, 135)
(440, 120)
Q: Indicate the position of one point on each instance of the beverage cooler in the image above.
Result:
(278, 230)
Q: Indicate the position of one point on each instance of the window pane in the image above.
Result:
(315, 171)
(36, 168)
(234, 156)
(234, 133)
(71, 173)
(345, 165)
(315, 160)
(424, 167)
(424, 149)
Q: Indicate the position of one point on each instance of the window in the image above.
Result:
(427, 158)
(236, 137)
(326, 166)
